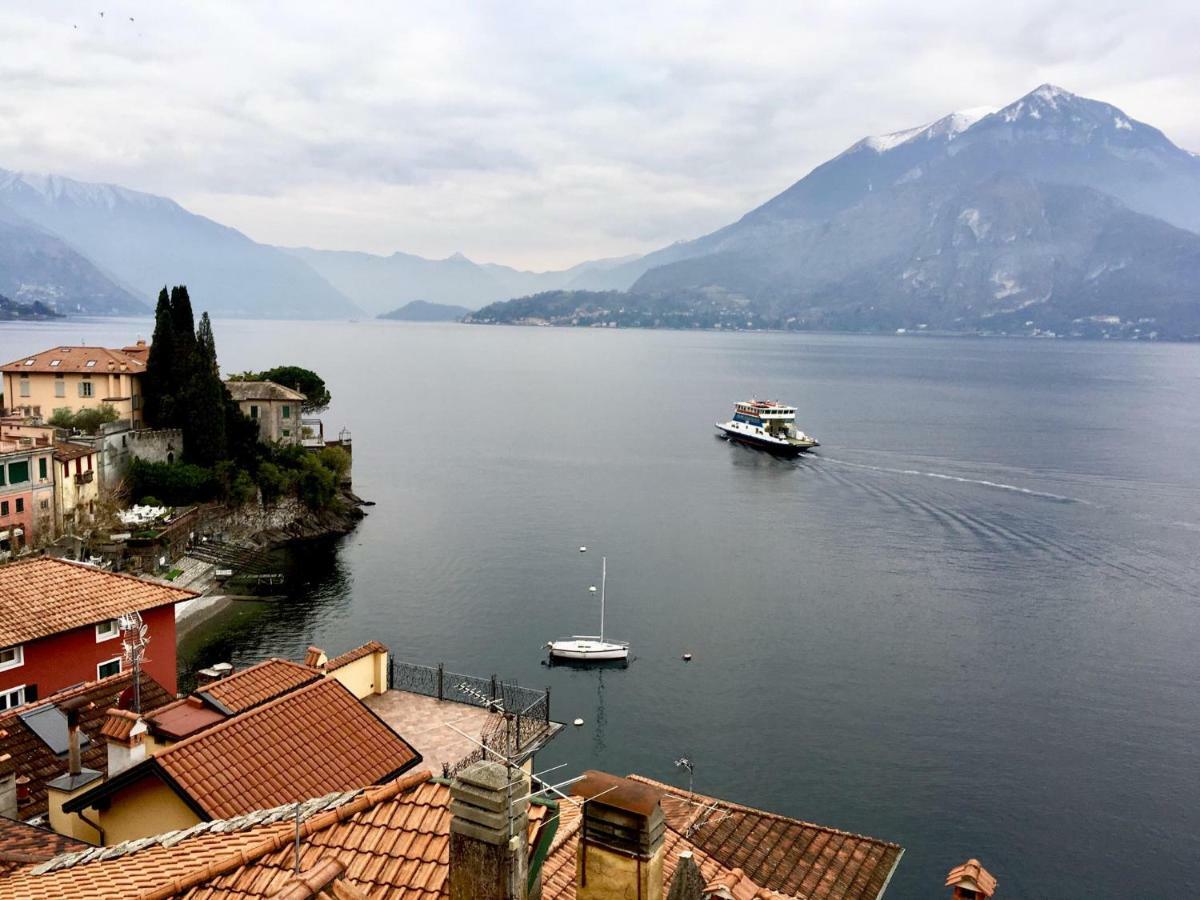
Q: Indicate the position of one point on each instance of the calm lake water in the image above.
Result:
(968, 624)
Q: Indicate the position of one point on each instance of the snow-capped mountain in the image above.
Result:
(143, 242)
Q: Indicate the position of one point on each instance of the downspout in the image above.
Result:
(95, 825)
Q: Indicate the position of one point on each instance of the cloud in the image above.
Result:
(536, 134)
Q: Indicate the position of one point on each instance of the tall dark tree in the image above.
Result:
(184, 325)
(204, 439)
(158, 385)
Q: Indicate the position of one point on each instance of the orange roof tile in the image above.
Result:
(44, 596)
(353, 655)
(787, 855)
(257, 684)
(76, 359)
(183, 718)
(22, 844)
(316, 739)
(973, 875)
(118, 723)
(65, 451)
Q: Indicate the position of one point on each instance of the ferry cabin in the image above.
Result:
(773, 418)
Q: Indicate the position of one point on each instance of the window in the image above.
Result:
(18, 472)
(20, 504)
(60, 386)
(106, 631)
(12, 657)
(45, 504)
(253, 411)
(287, 411)
(91, 363)
(111, 667)
(24, 384)
(42, 468)
(3, 507)
(85, 389)
(54, 363)
(12, 697)
(287, 432)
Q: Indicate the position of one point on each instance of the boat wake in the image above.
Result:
(983, 482)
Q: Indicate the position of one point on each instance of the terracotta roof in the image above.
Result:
(262, 390)
(974, 876)
(44, 596)
(22, 844)
(118, 723)
(316, 739)
(795, 858)
(184, 718)
(33, 759)
(257, 684)
(76, 359)
(353, 655)
(65, 451)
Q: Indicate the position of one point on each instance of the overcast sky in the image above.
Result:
(534, 134)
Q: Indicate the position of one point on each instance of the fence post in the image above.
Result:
(493, 687)
(391, 672)
(440, 673)
(517, 749)
(547, 704)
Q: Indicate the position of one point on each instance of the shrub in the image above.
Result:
(178, 484)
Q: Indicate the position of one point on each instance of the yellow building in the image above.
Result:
(76, 486)
(275, 409)
(77, 378)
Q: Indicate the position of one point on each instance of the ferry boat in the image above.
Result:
(767, 425)
(587, 648)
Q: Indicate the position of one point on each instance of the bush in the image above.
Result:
(316, 486)
(87, 421)
(274, 482)
(151, 500)
(178, 484)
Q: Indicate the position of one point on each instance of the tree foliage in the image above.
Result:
(306, 381)
(87, 421)
(175, 484)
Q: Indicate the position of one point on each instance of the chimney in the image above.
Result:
(621, 841)
(315, 658)
(971, 881)
(215, 672)
(489, 833)
(74, 782)
(126, 740)
(688, 883)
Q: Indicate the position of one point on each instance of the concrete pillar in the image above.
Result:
(489, 827)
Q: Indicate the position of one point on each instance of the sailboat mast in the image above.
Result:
(603, 579)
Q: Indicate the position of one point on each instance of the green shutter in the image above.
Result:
(287, 411)
(18, 472)
(42, 468)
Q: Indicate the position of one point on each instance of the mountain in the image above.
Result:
(420, 311)
(143, 242)
(10, 309)
(1056, 214)
(39, 267)
(380, 283)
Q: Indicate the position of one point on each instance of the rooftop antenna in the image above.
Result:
(684, 763)
(134, 638)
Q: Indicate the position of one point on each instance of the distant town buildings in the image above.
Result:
(275, 409)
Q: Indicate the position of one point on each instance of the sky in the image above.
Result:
(535, 134)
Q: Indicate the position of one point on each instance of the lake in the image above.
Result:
(968, 623)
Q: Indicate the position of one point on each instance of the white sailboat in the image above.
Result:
(590, 647)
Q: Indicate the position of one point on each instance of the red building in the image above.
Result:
(58, 626)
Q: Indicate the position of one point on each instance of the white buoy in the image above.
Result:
(592, 589)
(578, 722)
(583, 549)
(687, 657)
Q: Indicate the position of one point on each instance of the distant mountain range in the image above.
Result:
(380, 283)
(420, 311)
(1056, 214)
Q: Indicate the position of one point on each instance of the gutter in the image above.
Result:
(95, 825)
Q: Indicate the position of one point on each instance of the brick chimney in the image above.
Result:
(621, 841)
(126, 740)
(489, 833)
(971, 881)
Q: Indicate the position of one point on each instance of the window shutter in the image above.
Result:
(80, 389)
(30, 693)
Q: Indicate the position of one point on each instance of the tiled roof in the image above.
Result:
(33, 759)
(316, 739)
(262, 390)
(795, 858)
(973, 876)
(76, 359)
(65, 451)
(354, 655)
(22, 844)
(257, 684)
(183, 718)
(44, 596)
(118, 723)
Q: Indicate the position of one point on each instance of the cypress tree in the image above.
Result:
(158, 384)
(205, 442)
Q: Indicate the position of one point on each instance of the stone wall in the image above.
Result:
(118, 445)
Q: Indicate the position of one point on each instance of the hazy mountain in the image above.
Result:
(39, 267)
(381, 283)
(1056, 213)
(421, 311)
(145, 241)
(11, 309)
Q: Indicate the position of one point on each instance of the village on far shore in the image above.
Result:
(137, 486)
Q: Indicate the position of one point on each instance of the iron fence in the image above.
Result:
(506, 698)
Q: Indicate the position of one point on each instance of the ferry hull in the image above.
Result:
(775, 447)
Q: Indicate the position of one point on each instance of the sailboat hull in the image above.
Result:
(588, 649)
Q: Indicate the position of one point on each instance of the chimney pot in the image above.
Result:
(489, 829)
(621, 841)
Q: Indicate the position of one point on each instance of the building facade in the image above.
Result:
(58, 626)
(75, 378)
(26, 490)
(78, 486)
(273, 407)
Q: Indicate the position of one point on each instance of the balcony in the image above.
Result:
(84, 477)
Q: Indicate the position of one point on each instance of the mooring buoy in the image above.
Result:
(578, 722)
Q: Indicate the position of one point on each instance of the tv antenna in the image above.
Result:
(134, 638)
(684, 763)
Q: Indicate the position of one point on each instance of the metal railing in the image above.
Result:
(488, 693)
